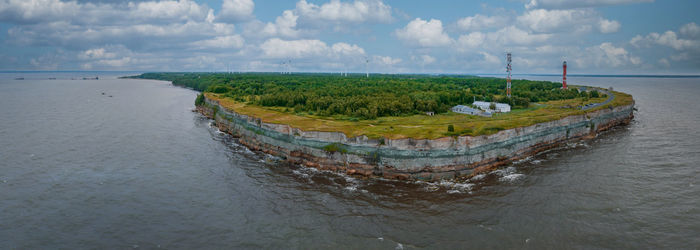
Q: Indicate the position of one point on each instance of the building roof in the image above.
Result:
(486, 104)
(465, 108)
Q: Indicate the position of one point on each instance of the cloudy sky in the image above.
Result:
(396, 36)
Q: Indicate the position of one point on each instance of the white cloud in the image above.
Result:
(511, 35)
(236, 10)
(471, 41)
(337, 11)
(691, 30)
(668, 39)
(278, 48)
(607, 26)
(284, 26)
(386, 60)
(481, 22)
(22, 11)
(347, 49)
(166, 11)
(99, 53)
(576, 20)
(490, 59)
(606, 55)
(427, 59)
(681, 57)
(137, 36)
(424, 33)
(143, 25)
(570, 4)
(507, 38)
(163, 12)
(116, 63)
(220, 42)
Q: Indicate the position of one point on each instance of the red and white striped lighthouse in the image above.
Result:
(564, 81)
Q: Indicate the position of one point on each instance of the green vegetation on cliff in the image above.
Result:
(324, 102)
(365, 98)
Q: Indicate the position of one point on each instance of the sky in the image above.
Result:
(381, 36)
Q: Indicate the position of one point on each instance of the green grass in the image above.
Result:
(419, 126)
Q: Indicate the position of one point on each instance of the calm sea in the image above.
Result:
(136, 168)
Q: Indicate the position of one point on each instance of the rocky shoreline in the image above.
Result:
(410, 159)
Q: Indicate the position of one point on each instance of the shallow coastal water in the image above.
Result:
(135, 168)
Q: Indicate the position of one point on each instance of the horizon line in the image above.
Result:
(327, 72)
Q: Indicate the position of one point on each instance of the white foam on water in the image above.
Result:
(399, 246)
(463, 186)
(536, 162)
(349, 179)
(526, 159)
(504, 172)
(431, 187)
(511, 177)
(446, 183)
(455, 187)
(299, 173)
(478, 177)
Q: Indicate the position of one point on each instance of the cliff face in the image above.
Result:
(424, 159)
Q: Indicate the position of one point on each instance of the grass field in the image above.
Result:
(419, 126)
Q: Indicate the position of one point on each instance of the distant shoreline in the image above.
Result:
(128, 73)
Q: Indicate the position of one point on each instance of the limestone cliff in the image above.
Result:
(425, 159)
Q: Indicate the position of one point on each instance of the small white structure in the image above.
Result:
(469, 111)
(486, 106)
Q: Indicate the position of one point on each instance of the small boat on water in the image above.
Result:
(91, 78)
(19, 78)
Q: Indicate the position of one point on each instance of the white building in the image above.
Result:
(486, 106)
(469, 111)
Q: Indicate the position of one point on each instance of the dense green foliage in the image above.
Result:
(199, 100)
(365, 98)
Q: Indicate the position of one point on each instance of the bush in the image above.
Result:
(450, 128)
(219, 89)
(200, 100)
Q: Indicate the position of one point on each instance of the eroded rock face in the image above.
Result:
(421, 159)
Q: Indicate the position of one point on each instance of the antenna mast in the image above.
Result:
(508, 69)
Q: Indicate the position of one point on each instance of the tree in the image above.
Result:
(200, 100)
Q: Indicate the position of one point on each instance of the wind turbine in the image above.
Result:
(367, 66)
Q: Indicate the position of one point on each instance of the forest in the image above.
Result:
(367, 98)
